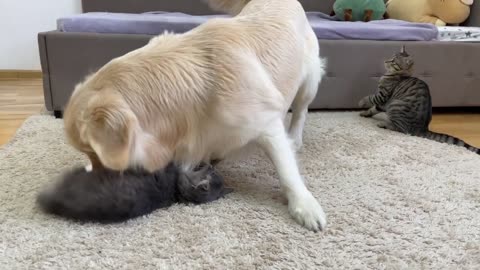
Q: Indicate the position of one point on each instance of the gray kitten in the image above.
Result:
(406, 101)
(108, 196)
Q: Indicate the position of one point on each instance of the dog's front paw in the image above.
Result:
(364, 103)
(297, 144)
(306, 210)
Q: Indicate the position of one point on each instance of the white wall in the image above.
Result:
(20, 22)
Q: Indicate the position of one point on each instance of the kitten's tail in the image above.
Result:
(232, 7)
(445, 138)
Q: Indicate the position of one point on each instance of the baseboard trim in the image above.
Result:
(20, 74)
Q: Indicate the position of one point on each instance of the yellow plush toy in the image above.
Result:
(438, 12)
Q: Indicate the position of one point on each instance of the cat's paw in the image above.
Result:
(306, 210)
(365, 114)
(364, 103)
(387, 125)
(382, 125)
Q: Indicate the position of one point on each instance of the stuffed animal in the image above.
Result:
(438, 12)
(359, 10)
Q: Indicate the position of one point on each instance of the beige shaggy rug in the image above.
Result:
(392, 201)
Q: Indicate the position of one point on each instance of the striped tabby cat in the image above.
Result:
(406, 101)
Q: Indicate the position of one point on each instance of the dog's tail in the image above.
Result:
(232, 7)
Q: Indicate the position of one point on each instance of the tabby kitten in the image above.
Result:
(107, 196)
(406, 101)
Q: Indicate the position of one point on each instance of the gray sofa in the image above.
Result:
(354, 66)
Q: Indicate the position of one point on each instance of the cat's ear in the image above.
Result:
(409, 62)
(203, 185)
(197, 177)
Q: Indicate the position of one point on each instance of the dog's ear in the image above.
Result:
(110, 129)
(94, 161)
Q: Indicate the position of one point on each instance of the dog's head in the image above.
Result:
(100, 124)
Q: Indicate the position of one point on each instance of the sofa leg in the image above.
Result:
(58, 114)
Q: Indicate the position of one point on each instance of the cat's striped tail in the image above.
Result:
(445, 138)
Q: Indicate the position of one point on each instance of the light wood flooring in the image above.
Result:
(20, 98)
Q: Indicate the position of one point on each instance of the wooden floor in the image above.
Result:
(21, 98)
(18, 100)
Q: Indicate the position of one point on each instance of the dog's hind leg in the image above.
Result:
(303, 207)
(305, 96)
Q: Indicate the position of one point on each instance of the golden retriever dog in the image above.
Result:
(205, 94)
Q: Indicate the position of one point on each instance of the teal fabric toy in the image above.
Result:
(359, 10)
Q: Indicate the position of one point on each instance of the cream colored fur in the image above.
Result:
(438, 12)
(206, 94)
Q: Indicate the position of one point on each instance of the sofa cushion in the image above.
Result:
(150, 23)
(459, 34)
(197, 7)
(325, 27)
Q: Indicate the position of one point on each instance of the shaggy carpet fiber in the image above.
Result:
(392, 201)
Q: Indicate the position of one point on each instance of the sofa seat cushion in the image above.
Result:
(325, 27)
(151, 23)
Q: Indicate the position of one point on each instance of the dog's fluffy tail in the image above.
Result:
(232, 7)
